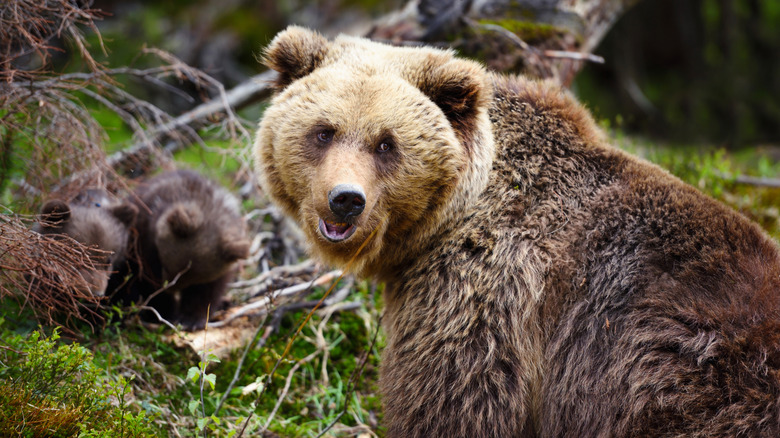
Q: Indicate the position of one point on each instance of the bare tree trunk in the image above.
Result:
(542, 38)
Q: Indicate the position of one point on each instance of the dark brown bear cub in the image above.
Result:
(190, 233)
(539, 281)
(95, 220)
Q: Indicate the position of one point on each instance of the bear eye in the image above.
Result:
(384, 146)
(325, 135)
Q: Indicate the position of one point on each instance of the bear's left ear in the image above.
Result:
(459, 88)
(55, 212)
(294, 53)
(125, 213)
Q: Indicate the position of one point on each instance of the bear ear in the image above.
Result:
(53, 212)
(125, 213)
(232, 249)
(294, 53)
(459, 88)
(183, 220)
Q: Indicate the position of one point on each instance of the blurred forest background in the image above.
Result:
(104, 93)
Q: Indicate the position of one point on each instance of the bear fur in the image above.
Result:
(95, 220)
(539, 282)
(190, 233)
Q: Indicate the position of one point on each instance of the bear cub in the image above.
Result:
(96, 220)
(189, 234)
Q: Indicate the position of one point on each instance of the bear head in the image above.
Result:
(96, 222)
(197, 247)
(364, 139)
(190, 229)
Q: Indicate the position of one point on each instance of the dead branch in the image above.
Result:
(46, 112)
(261, 305)
(260, 284)
(169, 134)
(46, 273)
(159, 317)
(542, 38)
(251, 91)
(31, 28)
(756, 181)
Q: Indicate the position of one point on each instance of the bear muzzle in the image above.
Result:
(346, 202)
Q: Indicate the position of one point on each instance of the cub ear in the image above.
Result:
(459, 87)
(232, 249)
(125, 213)
(294, 53)
(183, 220)
(54, 211)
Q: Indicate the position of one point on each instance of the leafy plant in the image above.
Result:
(49, 388)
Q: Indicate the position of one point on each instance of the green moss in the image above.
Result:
(527, 31)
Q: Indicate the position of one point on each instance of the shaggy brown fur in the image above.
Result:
(190, 234)
(95, 220)
(539, 282)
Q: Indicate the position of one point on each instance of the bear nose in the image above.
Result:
(346, 200)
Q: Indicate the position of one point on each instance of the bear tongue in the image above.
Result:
(336, 231)
(336, 228)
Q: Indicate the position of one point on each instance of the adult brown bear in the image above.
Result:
(539, 281)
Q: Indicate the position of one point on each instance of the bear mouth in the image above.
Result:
(336, 232)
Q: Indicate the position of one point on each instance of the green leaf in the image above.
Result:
(193, 373)
(193, 406)
(211, 378)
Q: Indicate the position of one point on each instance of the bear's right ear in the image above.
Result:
(294, 53)
(54, 212)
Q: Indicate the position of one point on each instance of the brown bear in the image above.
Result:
(539, 282)
(190, 232)
(96, 220)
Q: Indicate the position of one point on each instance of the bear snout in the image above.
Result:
(346, 201)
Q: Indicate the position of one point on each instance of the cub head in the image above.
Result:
(102, 226)
(197, 246)
(366, 138)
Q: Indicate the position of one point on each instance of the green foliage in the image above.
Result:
(51, 388)
(327, 349)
